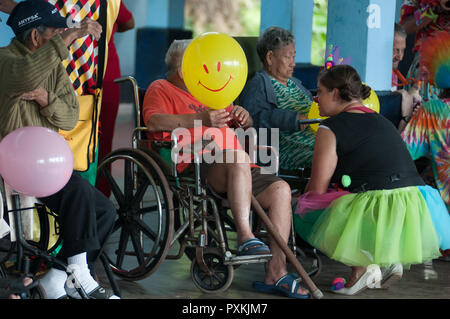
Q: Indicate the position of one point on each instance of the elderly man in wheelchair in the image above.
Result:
(38, 92)
(169, 107)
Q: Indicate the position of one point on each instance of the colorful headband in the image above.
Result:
(435, 58)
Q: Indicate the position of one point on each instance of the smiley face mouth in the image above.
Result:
(217, 90)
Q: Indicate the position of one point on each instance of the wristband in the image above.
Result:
(406, 118)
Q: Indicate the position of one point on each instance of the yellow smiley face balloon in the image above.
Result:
(214, 69)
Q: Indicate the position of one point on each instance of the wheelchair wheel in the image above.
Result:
(219, 277)
(144, 228)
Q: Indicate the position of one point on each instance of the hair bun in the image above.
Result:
(365, 91)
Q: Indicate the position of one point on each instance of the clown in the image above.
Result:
(427, 132)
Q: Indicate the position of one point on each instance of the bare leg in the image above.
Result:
(276, 199)
(235, 179)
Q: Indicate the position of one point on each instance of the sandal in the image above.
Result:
(252, 247)
(291, 280)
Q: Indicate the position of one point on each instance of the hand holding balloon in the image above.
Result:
(215, 118)
(241, 116)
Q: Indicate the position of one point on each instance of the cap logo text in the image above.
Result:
(28, 20)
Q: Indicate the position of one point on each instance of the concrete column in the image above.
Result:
(295, 16)
(165, 13)
(6, 33)
(398, 9)
(364, 31)
(155, 13)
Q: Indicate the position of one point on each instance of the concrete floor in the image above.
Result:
(172, 279)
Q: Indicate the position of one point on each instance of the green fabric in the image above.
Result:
(166, 154)
(303, 225)
(296, 147)
(376, 227)
(91, 173)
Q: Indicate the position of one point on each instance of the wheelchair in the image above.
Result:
(34, 243)
(159, 209)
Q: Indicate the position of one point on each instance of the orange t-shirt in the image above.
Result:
(162, 97)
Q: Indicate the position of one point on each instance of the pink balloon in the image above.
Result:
(35, 161)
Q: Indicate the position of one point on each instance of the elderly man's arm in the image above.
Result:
(21, 75)
(63, 108)
(59, 107)
(169, 122)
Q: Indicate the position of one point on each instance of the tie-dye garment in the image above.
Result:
(442, 23)
(427, 134)
(296, 147)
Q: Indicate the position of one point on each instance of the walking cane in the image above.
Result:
(316, 293)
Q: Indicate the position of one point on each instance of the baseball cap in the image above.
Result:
(32, 13)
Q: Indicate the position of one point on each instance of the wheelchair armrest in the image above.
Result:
(126, 78)
(135, 137)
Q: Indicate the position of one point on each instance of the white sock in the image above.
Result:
(53, 283)
(78, 264)
(79, 259)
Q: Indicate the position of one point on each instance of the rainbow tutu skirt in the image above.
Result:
(405, 225)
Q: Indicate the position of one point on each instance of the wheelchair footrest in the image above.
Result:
(239, 260)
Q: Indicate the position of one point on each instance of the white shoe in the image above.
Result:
(391, 274)
(88, 286)
(370, 279)
(97, 293)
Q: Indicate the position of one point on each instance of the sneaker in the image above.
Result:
(390, 275)
(97, 293)
(102, 293)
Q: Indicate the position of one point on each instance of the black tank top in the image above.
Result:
(371, 151)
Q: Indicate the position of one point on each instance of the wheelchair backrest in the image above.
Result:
(141, 95)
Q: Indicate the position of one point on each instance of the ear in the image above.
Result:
(269, 56)
(35, 38)
(336, 95)
(180, 73)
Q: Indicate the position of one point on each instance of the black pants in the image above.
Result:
(86, 218)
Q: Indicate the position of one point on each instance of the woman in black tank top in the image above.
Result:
(383, 215)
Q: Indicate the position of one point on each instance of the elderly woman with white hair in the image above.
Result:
(276, 99)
